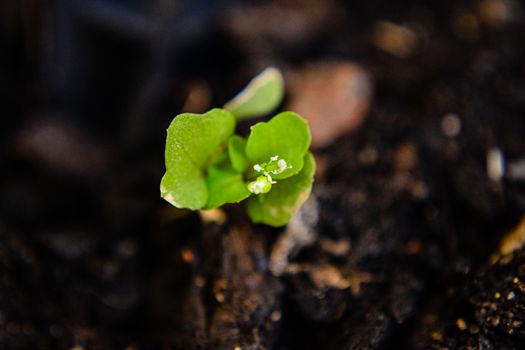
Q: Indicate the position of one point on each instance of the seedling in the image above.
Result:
(207, 165)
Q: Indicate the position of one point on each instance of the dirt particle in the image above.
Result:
(438, 336)
(419, 190)
(495, 164)
(215, 215)
(220, 297)
(338, 248)
(127, 248)
(413, 247)
(461, 324)
(275, 316)
(451, 125)
(513, 240)
(329, 276)
(405, 156)
(495, 13)
(333, 97)
(397, 40)
(516, 170)
(200, 281)
(62, 147)
(357, 279)
(187, 255)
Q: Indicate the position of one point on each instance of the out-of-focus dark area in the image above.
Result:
(413, 236)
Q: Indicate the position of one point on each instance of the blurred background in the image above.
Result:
(417, 114)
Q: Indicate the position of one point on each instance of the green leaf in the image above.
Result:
(221, 159)
(183, 185)
(225, 186)
(286, 135)
(198, 136)
(262, 95)
(277, 207)
(236, 150)
(193, 141)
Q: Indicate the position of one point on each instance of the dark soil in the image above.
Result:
(405, 222)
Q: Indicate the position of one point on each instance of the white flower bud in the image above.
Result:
(261, 185)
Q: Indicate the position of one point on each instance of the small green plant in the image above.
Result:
(207, 165)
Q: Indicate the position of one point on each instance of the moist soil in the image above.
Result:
(403, 232)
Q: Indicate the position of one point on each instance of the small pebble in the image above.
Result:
(513, 240)
(516, 170)
(187, 255)
(333, 96)
(219, 297)
(200, 281)
(496, 13)
(216, 215)
(397, 40)
(127, 248)
(451, 125)
(275, 316)
(461, 324)
(495, 164)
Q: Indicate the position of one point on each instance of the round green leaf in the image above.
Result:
(198, 136)
(183, 185)
(286, 135)
(193, 141)
(277, 207)
(261, 96)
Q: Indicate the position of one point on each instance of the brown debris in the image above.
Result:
(405, 157)
(395, 39)
(329, 276)
(61, 147)
(334, 98)
(198, 98)
(215, 215)
(497, 13)
(287, 22)
(513, 240)
(337, 248)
